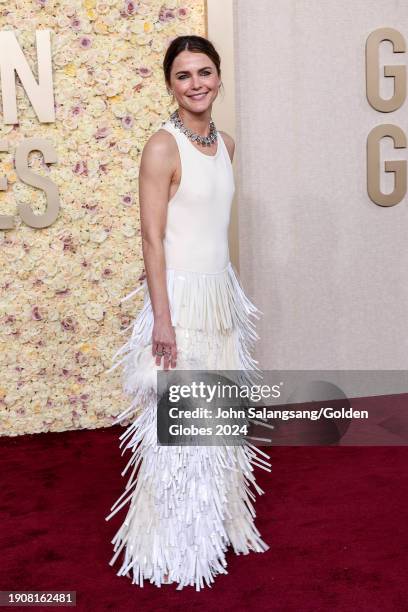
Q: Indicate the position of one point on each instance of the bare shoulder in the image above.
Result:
(160, 142)
(229, 143)
(158, 151)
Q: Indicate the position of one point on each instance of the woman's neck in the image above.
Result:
(198, 123)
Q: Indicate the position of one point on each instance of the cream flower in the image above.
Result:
(71, 123)
(124, 145)
(101, 75)
(82, 150)
(97, 107)
(102, 7)
(62, 21)
(137, 27)
(113, 88)
(113, 18)
(128, 230)
(94, 311)
(119, 109)
(98, 235)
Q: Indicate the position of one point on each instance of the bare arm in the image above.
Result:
(155, 175)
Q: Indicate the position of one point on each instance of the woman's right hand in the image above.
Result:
(164, 341)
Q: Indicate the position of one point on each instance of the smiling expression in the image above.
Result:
(194, 80)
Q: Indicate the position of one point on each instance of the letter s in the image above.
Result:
(31, 178)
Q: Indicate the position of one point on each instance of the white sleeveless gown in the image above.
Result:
(189, 503)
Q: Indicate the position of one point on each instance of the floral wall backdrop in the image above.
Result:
(60, 311)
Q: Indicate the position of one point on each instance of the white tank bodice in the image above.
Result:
(198, 215)
(203, 286)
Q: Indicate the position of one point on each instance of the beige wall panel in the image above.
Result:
(327, 266)
(220, 30)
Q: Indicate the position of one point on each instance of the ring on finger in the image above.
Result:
(163, 353)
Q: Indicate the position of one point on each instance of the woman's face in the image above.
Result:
(192, 74)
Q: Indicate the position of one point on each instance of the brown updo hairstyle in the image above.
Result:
(193, 43)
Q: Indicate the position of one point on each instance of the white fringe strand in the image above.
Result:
(209, 302)
(187, 503)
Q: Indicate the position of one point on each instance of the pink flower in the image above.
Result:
(129, 7)
(127, 199)
(68, 324)
(77, 110)
(68, 244)
(35, 314)
(85, 42)
(75, 23)
(166, 14)
(127, 121)
(183, 12)
(144, 71)
(124, 320)
(80, 168)
(102, 132)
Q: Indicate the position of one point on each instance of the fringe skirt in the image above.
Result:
(187, 503)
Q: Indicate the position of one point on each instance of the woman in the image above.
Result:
(187, 503)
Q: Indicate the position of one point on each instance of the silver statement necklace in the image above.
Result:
(205, 141)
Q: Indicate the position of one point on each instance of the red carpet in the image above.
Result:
(335, 518)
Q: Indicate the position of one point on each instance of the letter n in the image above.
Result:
(41, 94)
